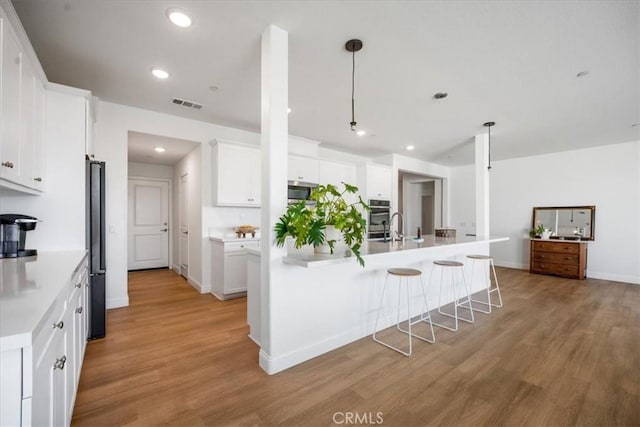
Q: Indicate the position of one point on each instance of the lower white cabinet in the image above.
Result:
(42, 388)
(229, 267)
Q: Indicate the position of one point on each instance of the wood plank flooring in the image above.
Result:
(560, 352)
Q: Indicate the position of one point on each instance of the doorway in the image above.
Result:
(428, 217)
(421, 200)
(183, 220)
(148, 224)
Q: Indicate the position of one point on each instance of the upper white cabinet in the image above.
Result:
(335, 173)
(303, 169)
(236, 175)
(377, 181)
(22, 117)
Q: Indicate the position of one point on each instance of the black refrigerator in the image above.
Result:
(96, 247)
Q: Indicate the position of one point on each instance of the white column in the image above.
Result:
(275, 131)
(482, 185)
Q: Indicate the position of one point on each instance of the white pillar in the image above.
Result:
(275, 131)
(482, 185)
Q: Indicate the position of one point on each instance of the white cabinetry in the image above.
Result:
(236, 175)
(336, 173)
(22, 116)
(229, 266)
(303, 169)
(376, 180)
(42, 387)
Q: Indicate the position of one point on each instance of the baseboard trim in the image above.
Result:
(509, 264)
(194, 283)
(613, 277)
(117, 302)
(254, 340)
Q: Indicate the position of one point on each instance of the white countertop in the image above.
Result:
(225, 239)
(305, 257)
(28, 290)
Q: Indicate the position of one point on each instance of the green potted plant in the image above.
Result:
(324, 225)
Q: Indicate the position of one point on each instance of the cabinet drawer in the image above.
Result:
(557, 269)
(561, 247)
(239, 246)
(556, 257)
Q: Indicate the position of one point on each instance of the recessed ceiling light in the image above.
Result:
(361, 132)
(582, 73)
(160, 149)
(161, 74)
(179, 17)
(288, 110)
(409, 147)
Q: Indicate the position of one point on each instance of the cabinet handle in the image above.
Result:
(37, 179)
(164, 229)
(60, 325)
(8, 165)
(79, 310)
(60, 363)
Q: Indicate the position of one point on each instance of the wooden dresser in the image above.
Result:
(564, 258)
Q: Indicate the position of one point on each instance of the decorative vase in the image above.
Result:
(330, 233)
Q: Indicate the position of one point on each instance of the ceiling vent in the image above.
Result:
(185, 103)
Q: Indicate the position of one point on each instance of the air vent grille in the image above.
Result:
(188, 104)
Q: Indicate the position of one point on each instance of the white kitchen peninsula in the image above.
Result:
(328, 301)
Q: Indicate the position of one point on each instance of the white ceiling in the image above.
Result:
(141, 148)
(512, 62)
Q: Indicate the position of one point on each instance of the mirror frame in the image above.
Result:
(592, 222)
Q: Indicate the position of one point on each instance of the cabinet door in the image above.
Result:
(11, 87)
(378, 182)
(235, 272)
(27, 117)
(39, 97)
(48, 390)
(255, 177)
(302, 169)
(233, 179)
(335, 174)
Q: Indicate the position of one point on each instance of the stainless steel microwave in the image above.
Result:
(297, 191)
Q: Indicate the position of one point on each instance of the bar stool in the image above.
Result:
(406, 273)
(487, 260)
(453, 266)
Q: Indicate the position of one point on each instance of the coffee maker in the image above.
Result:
(13, 233)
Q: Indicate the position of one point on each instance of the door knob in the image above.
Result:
(164, 229)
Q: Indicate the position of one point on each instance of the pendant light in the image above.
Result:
(353, 46)
(488, 126)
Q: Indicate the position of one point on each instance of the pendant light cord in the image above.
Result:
(489, 167)
(353, 84)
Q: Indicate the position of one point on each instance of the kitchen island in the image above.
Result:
(324, 301)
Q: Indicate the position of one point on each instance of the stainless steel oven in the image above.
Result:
(378, 218)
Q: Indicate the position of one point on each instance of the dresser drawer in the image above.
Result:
(561, 247)
(556, 257)
(556, 269)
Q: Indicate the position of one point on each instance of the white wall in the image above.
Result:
(61, 207)
(148, 170)
(607, 177)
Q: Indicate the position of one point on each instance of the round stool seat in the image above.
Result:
(448, 263)
(404, 272)
(480, 256)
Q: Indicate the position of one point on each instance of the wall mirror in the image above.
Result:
(566, 222)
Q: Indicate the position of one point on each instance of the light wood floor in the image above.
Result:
(560, 352)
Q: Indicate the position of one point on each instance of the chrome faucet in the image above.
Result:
(399, 236)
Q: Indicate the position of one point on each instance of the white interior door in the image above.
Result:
(148, 230)
(184, 226)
